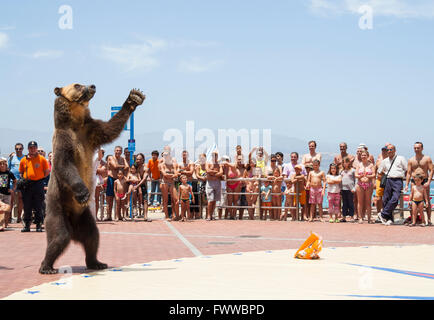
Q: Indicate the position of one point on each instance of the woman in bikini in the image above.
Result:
(365, 173)
(252, 186)
(233, 188)
(169, 171)
(201, 176)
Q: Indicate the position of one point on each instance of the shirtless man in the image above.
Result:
(143, 185)
(169, 170)
(421, 164)
(114, 164)
(312, 155)
(239, 152)
(338, 159)
(214, 173)
(186, 167)
(316, 183)
(243, 200)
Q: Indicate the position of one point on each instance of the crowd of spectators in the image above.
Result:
(229, 188)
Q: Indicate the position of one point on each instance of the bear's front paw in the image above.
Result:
(82, 195)
(136, 97)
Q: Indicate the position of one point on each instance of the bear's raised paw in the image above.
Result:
(136, 97)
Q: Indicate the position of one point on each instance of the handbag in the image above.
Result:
(384, 178)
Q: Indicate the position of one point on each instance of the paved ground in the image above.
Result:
(131, 243)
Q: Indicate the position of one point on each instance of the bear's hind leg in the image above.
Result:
(58, 238)
(86, 232)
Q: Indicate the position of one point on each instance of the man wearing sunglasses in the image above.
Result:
(395, 168)
(14, 165)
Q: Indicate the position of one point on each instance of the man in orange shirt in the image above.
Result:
(154, 172)
(34, 168)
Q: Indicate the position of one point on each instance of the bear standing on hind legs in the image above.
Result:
(76, 138)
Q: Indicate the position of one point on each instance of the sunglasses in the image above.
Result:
(18, 149)
(389, 149)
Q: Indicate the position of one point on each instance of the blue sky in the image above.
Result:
(302, 68)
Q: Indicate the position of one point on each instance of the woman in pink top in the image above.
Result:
(365, 173)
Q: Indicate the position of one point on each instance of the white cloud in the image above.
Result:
(135, 56)
(6, 28)
(145, 55)
(195, 65)
(4, 39)
(391, 8)
(50, 54)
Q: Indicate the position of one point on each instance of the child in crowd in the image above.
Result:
(133, 179)
(5, 193)
(418, 197)
(334, 180)
(348, 189)
(308, 168)
(121, 195)
(266, 200)
(287, 193)
(316, 184)
(185, 194)
(299, 184)
(276, 198)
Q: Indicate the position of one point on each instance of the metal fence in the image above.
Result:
(258, 206)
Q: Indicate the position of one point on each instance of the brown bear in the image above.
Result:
(76, 138)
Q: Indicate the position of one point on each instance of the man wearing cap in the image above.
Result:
(34, 168)
(395, 167)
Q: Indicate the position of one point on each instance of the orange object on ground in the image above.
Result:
(310, 248)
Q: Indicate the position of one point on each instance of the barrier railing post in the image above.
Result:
(260, 200)
(297, 197)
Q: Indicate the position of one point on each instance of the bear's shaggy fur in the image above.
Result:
(76, 138)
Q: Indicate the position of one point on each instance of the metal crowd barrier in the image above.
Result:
(257, 206)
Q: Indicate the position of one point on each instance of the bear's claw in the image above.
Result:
(136, 96)
(47, 270)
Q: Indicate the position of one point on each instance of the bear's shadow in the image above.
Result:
(83, 270)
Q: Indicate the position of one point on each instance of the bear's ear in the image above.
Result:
(58, 91)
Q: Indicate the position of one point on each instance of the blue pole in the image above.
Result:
(131, 157)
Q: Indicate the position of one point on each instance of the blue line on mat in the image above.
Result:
(409, 273)
(32, 292)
